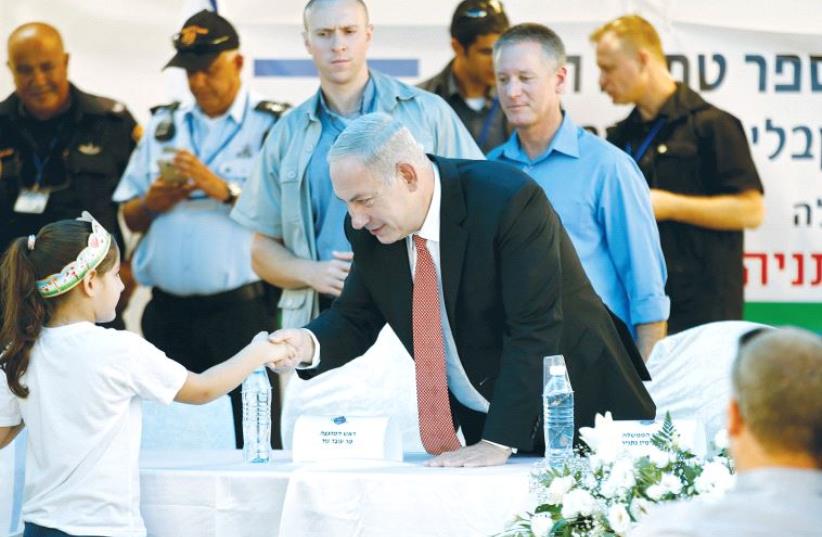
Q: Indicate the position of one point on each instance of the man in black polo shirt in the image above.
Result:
(705, 189)
(468, 83)
(62, 150)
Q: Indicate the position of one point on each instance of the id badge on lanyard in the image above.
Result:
(31, 201)
(34, 200)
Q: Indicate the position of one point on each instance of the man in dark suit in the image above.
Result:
(469, 264)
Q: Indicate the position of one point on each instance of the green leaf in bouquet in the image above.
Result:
(553, 510)
(647, 474)
(665, 438)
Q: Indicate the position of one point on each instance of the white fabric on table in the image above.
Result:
(691, 373)
(404, 500)
(189, 493)
(212, 494)
(381, 382)
(183, 426)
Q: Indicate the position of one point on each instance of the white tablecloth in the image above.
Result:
(212, 494)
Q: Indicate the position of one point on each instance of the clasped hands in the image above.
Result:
(301, 343)
(163, 195)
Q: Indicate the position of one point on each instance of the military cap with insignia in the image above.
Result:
(203, 37)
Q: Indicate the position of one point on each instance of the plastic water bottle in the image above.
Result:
(558, 409)
(257, 417)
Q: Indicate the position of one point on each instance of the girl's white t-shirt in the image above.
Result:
(84, 421)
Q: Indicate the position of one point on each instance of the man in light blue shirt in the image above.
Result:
(597, 190)
(178, 189)
(299, 243)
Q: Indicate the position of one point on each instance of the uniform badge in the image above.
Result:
(89, 149)
(189, 34)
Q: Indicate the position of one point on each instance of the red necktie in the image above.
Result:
(436, 425)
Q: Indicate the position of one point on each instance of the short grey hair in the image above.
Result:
(380, 142)
(531, 32)
(777, 382)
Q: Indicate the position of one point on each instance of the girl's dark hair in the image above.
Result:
(24, 311)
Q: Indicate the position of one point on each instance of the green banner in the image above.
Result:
(803, 314)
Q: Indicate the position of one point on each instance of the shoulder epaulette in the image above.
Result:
(99, 105)
(171, 107)
(275, 108)
(116, 107)
(165, 130)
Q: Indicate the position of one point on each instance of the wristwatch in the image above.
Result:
(234, 192)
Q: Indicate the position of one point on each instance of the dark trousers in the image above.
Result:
(203, 331)
(33, 530)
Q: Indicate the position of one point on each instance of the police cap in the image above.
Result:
(203, 37)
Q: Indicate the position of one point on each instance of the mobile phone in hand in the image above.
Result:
(169, 173)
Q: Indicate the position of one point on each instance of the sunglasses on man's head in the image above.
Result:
(481, 11)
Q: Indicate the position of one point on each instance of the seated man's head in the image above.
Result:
(383, 176)
(207, 49)
(775, 415)
(629, 53)
(475, 27)
(337, 34)
(39, 65)
(530, 68)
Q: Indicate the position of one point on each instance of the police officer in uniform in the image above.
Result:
(178, 190)
(62, 150)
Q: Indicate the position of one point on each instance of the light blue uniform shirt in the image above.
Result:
(196, 248)
(604, 204)
(276, 202)
(329, 211)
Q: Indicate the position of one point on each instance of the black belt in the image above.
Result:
(246, 293)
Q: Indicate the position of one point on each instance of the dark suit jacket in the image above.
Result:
(514, 292)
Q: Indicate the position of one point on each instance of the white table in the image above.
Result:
(212, 494)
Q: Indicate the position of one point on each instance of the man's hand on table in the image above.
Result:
(480, 454)
(302, 343)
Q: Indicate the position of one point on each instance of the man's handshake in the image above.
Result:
(302, 345)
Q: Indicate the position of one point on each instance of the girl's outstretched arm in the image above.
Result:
(222, 378)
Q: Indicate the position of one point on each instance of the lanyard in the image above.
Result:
(646, 142)
(195, 145)
(41, 163)
(486, 125)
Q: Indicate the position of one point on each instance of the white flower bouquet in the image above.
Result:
(604, 490)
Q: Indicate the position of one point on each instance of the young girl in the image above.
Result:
(77, 386)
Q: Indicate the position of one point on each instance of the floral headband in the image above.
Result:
(87, 260)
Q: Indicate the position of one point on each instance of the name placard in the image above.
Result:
(636, 435)
(322, 438)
